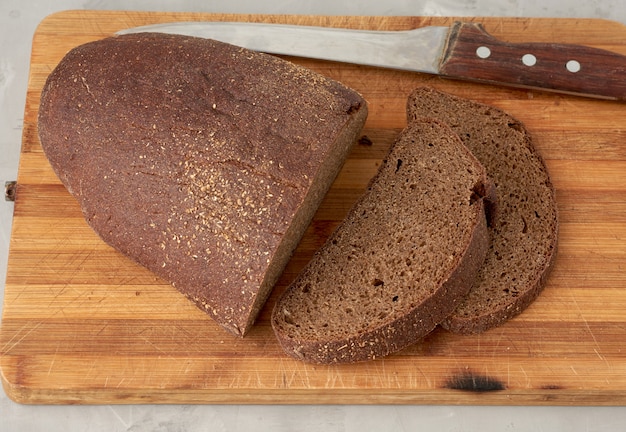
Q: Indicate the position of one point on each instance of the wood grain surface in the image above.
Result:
(83, 325)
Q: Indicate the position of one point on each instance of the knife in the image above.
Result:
(462, 51)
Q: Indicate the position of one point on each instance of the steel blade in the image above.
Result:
(414, 50)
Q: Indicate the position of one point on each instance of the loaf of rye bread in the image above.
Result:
(202, 161)
(401, 260)
(524, 233)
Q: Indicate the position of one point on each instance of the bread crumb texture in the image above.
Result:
(381, 281)
(192, 156)
(525, 231)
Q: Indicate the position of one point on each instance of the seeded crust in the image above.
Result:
(398, 264)
(202, 161)
(525, 230)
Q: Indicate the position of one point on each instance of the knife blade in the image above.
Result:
(463, 51)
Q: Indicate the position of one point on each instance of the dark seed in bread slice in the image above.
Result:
(401, 260)
(202, 161)
(524, 233)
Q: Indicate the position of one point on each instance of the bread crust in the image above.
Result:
(404, 328)
(202, 161)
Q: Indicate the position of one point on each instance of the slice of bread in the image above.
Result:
(202, 161)
(401, 260)
(524, 234)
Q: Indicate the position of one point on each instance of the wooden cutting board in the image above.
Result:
(83, 324)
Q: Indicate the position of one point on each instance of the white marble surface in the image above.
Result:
(18, 19)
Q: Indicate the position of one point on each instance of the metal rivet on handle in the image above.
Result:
(9, 190)
(529, 60)
(573, 66)
(483, 52)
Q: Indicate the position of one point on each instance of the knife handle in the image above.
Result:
(474, 54)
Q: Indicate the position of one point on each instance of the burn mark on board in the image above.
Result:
(472, 382)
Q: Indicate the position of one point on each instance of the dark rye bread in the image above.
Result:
(524, 233)
(401, 260)
(202, 161)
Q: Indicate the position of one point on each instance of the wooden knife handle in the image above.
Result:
(474, 54)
